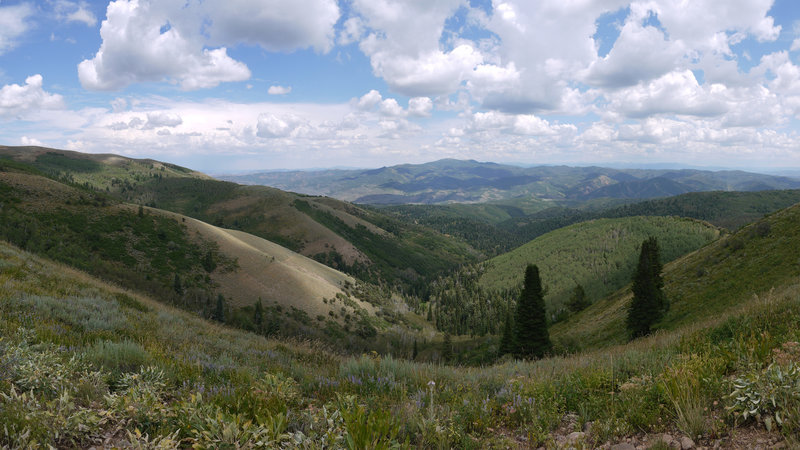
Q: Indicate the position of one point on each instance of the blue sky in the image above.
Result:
(226, 85)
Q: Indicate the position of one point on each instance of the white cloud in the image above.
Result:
(431, 73)
(420, 107)
(17, 100)
(275, 26)
(119, 104)
(135, 49)
(13, 24)
(697, 23)
(279, 90)
(186, 42)
(352, 31)
(391, 108)
(673, 93)
(162, 119)
(404, 48)
(368, 100)
(641, 53)
(275, 126)
(25, 140)
(70, 11)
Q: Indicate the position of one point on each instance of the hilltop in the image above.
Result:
(187, 262)
(458, 181)
(364, 243)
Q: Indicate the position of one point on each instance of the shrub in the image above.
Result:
(771, 397)
(118, 357)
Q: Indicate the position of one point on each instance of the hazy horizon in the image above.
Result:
(371, 83)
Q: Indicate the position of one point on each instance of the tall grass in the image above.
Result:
(176, 378)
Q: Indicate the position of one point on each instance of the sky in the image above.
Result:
(236, 85)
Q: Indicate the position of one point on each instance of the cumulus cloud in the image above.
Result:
(275, 126)
(25, 140)
(352, 31)
(13, 24)
(520, 124)
(673, 93)
(276, 26)
(420, 107)
(279, 90)
(186, 43)
(641, 53)
(162, 119)
(403, 44)
(389, 107)
(368, 100)
(18, 100)
(140, 43)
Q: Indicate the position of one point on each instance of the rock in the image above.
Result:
(575, 436)
(623, 446)
(686, 443)
(587, 427)
(667, 438)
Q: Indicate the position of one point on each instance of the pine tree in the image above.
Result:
(219, 312)
(447, 347)
(649, 302)
(258, 315)
(507, 341)
(578, 301)
(176, 285)
(532, 339)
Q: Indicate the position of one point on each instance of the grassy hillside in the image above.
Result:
(704, 284)
(495, 228)
(363, 243)
(600, 255)
(96, 233)
(87, 364)
(190, 263)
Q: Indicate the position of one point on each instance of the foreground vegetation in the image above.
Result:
(87, 364)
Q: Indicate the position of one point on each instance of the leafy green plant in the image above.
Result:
(376, 429)
(770, 396)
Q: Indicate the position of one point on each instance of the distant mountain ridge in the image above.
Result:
(469, 181)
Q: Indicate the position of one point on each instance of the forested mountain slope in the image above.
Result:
(706, 283)
(363, 243)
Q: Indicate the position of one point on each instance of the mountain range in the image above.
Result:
(458, 181)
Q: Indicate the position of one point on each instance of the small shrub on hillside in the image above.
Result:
(770, 396)
(374, 429)
(118, 357)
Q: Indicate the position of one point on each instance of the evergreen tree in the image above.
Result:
(258, 315)
(176, 285)
(447, 348)
(532, 339)
(219, 312)
(578, 301)
(649, 302)
(507, 341)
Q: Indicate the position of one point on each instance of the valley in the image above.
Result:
(147, 305)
